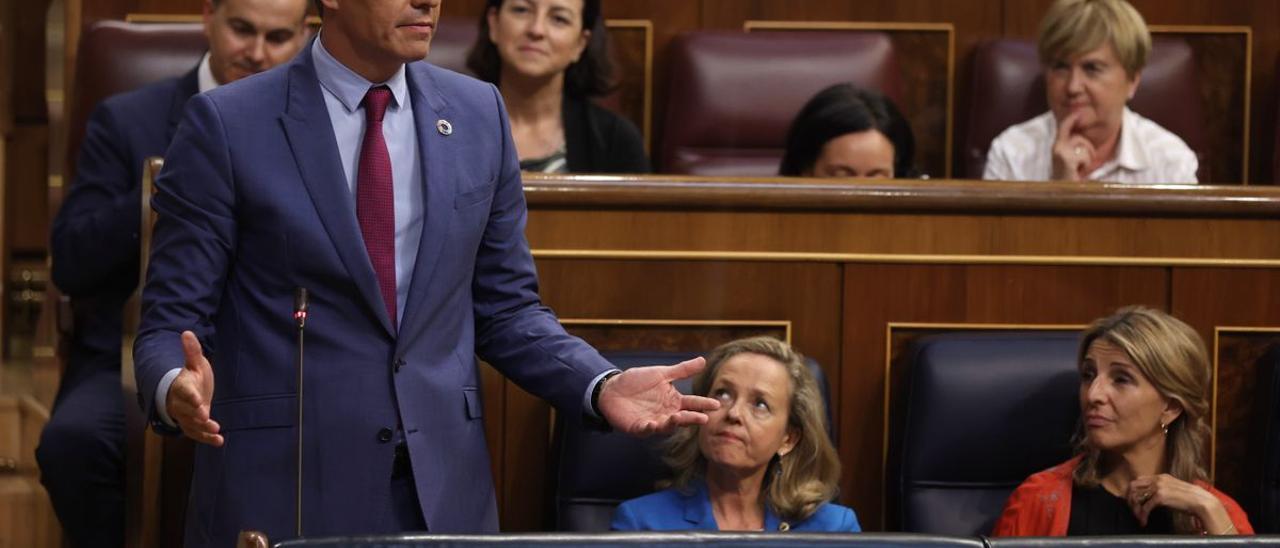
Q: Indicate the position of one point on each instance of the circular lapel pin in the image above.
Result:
(444, 127)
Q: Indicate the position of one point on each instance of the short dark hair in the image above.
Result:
(842, 109)
(591, 75)
(319, 8)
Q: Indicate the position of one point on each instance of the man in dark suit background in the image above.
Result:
(390, 189)
(95, 257)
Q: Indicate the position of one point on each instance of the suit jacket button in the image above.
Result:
(398, 364)
(385, 435)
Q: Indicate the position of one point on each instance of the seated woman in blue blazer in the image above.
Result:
(763, 461)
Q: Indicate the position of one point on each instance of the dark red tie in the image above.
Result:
(375, 199)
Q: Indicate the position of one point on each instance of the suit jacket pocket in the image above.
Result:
(475, 407)
(273, 411)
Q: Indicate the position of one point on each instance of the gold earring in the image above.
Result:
(1165, 428)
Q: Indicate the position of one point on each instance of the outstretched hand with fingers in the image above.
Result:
(191, 394)
(642, 401)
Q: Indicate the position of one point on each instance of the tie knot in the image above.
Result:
(375, 103)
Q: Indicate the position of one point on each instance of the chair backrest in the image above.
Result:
(595, 471)
(115, 56)
(1263, 504)
(733, 95)
(452, 41)
(1008, 88)
(977, 413)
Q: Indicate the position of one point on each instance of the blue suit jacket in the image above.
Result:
(252, 204)
(671, 510)
(94, 245)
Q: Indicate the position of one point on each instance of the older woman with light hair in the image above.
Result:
(1144, 408)
(763, 461)
(1093, 52)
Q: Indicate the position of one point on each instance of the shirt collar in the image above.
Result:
(1131, 156)
(349, 87)
(697, 510)
(204, 75)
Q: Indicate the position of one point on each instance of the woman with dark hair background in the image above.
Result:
(548, 58)
(844, 131)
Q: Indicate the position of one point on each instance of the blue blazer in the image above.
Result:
(671, 510)
(94, 245)
(252, 204)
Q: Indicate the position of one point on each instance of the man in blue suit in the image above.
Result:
(390, 189)
(95, 257)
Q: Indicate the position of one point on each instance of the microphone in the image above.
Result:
(300, 316)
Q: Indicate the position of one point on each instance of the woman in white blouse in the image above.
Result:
(1093, 52)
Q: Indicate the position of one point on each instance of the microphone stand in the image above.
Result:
(300, 316)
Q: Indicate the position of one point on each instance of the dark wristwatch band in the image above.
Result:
(595, 392)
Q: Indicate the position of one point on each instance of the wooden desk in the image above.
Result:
(849, 271)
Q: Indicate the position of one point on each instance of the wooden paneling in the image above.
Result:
(1235, 353)
(1213, 299)
(27, 216)
(905, 218)
(1222, 61)
(669, 19)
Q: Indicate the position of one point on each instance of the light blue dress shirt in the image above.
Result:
(344, 90)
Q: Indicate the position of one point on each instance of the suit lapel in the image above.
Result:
(434, 150)
(310, 134)
(697, 508)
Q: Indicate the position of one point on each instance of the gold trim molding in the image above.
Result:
(897, 258)
(631, 322)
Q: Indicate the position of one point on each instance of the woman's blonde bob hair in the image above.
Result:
(1072, 27)
(1172, 357)
(796, 483)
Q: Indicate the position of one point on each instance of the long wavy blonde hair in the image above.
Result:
(1171, 355)
(798, 482)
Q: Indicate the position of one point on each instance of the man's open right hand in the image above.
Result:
(191, 394)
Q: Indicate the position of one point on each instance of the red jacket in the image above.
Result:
(1041, 506)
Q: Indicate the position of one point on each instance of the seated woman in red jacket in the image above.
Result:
(1144, 381)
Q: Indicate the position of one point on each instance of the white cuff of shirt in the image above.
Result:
(162, 396)
(591, 387)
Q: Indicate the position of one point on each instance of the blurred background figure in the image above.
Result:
(549, 58)
(844, 131)
(763, 461)
(1093, 52)
(1139, 468)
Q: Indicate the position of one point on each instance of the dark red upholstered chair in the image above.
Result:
(1008, 88)
(733, 95)
(452, 41)
(115, 57)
